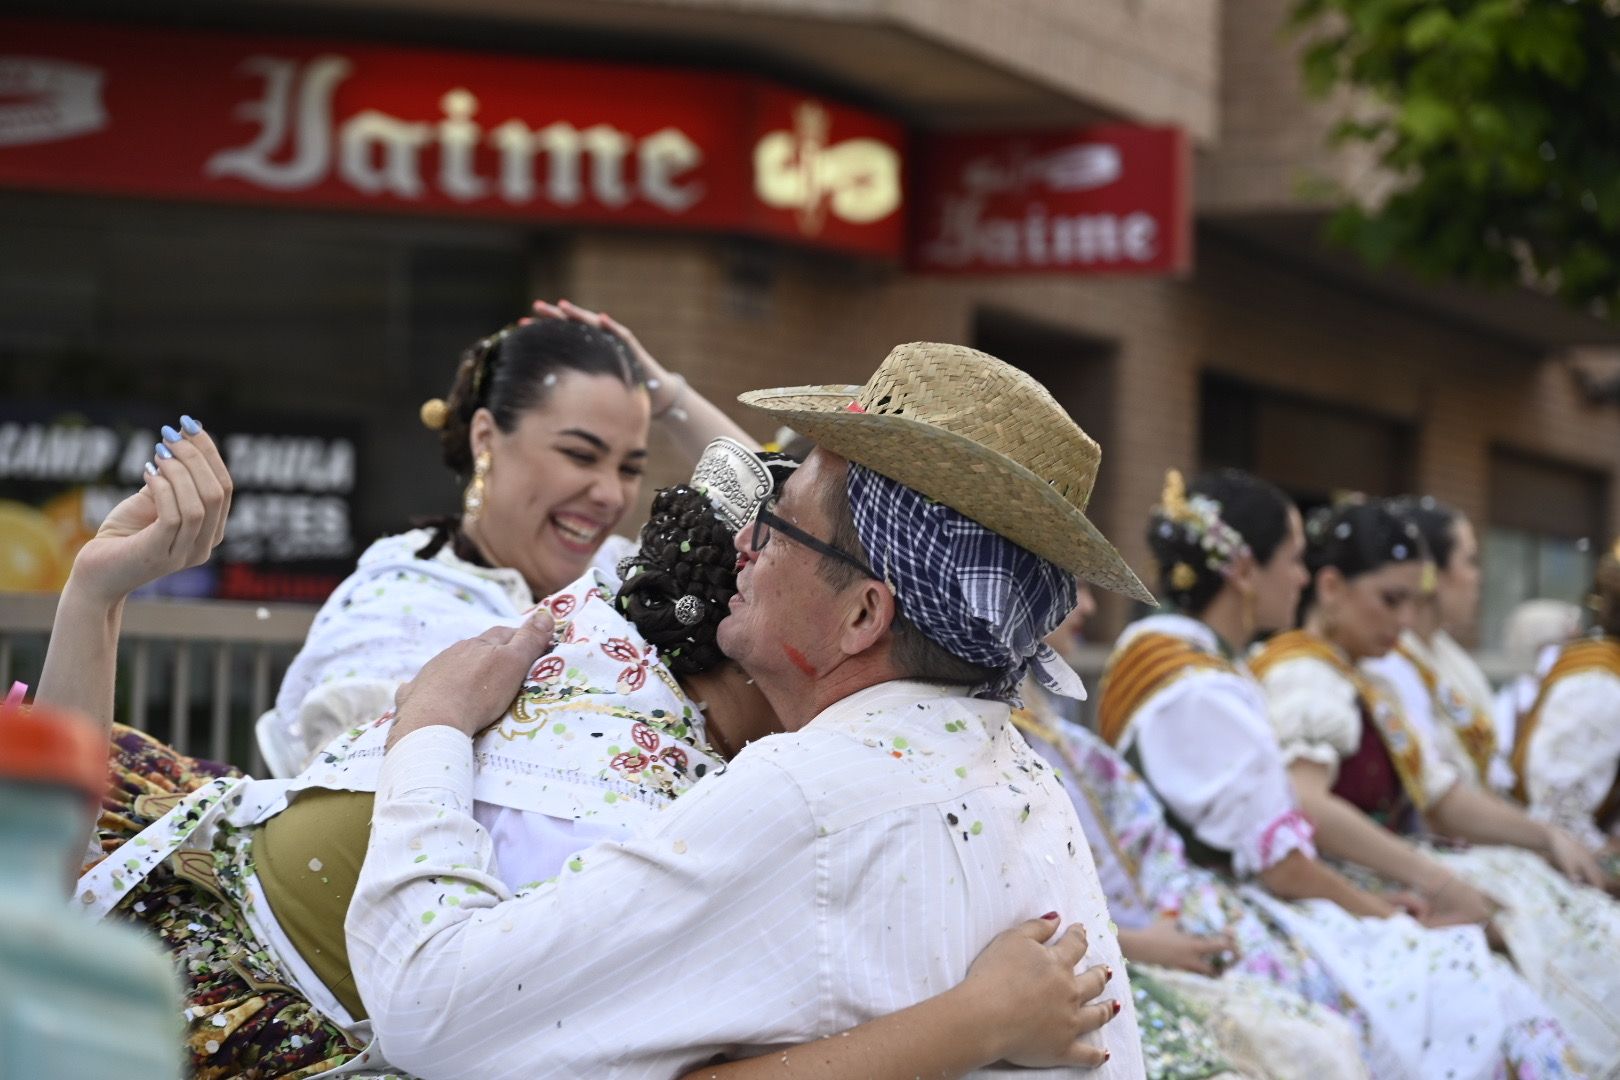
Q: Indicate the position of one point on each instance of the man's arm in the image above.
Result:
(663, 950)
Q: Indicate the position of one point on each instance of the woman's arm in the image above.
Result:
(1473, 814)
(1021, 1002)
(1344, 832)
(1299, 877)
(691, 420)
(172, 523)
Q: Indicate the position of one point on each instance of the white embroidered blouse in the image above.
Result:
(1207, 749)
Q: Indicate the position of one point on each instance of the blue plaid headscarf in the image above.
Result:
(973, 592)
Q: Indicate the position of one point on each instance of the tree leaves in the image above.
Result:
(1503, 124)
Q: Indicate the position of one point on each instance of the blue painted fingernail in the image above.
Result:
(190, 426)
(164, 451)
(169, 434)
(151, 469)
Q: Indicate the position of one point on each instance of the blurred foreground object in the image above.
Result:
(78, 1000)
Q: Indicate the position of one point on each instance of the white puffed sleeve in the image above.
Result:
(1574, 753)
(1314, 712)
(1208, 750)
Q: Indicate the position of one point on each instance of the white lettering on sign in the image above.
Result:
(1039, 239)
(290, 462)
(45, 100)
(858, 180)
(382, 154)
(52, 452)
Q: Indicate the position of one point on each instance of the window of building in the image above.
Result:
(1311, 449)
(1538, 542)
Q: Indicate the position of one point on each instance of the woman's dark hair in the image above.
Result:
(686, 550)
(1255, 509)
(512, 371)
(1434, 519)
(1357, 538)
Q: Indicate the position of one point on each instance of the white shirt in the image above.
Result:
(1317, 716)
(1574, 752)
(1208, 750)
(829, 876)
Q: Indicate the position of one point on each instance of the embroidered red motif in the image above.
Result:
(547, 669)
(674, 757)
(645, 737)
(562, 605)
(630, 761)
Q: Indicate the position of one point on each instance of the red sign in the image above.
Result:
(1095, 200)
(171, 114)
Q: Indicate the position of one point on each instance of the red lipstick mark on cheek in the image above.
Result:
(799, 660)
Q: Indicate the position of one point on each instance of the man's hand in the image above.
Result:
(471, 684)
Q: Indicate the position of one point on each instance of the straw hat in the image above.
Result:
(973, 433)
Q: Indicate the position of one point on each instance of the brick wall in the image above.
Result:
(734, 317)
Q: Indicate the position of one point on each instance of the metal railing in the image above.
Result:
(199, 673)
(195, 673)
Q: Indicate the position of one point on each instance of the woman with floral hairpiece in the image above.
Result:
(545, 424)
(1370, 780)
(1184, 710)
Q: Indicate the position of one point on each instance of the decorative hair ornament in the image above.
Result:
(1431, 578)
(734, 479)
(434, 413)
(689, 610)
(1200, 516)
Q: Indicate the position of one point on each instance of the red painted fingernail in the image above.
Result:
(1117, 1007)
(1106, 1055)
(1108, 974)
(1050, 915)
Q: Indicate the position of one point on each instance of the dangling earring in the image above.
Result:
(473, 500)
(1250, 616)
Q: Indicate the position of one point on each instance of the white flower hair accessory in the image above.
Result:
(1200, 515)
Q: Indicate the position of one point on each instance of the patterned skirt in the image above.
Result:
(241, 1022)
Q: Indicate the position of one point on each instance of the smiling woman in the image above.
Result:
(545, 425)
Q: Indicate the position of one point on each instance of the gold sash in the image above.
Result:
(1474, 729)
(1146, 665)
(1404, 750)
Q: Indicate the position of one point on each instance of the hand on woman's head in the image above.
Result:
(174, 522)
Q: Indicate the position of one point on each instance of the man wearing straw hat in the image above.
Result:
(888, 607)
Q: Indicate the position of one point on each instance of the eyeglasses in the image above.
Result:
(765, 522)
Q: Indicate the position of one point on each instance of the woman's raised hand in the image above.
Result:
(175, 521)
(1038, 1006)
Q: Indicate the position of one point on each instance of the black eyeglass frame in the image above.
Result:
(765, 522)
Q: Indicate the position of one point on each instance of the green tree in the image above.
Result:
(1500, 120)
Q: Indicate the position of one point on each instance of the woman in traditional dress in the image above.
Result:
(1566, 757)
(1192, 719)
(1440, 685)
(1368, 779)
(247, 882)
(546, 425)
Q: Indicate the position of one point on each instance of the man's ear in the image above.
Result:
(869, 613)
